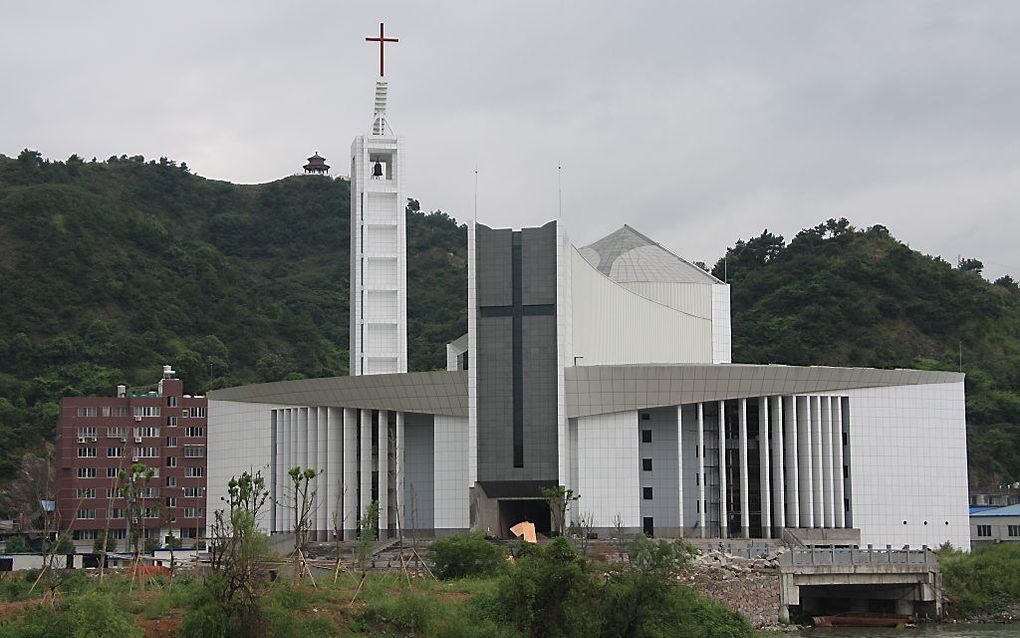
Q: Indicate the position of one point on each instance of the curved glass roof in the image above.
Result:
(627, 256)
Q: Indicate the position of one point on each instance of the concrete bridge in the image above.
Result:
(832, 580)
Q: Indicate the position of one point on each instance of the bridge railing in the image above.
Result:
(858, 556)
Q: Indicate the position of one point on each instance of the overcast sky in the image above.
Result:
(695, 122)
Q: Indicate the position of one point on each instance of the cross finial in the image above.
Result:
(382, 40)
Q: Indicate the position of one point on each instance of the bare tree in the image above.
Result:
(303, 495)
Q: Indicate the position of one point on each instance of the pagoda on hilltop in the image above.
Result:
(316, 165)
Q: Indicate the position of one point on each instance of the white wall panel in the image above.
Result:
(608, 468)
(451, 473)
(613, 325)
(909, 465)
(239, 440)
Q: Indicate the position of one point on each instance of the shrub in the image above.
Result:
(463, 555)
(16, 544)
(548, 591)
(95, 615)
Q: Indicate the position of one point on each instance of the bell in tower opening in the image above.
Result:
(377, 170)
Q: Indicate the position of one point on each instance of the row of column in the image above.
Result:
(338, 442)
(801, 464)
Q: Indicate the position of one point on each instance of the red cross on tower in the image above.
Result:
(382, 40)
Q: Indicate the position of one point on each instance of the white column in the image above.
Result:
(817, 473)
(723, 528)
(327, 482)
(778, 446)
(398, 489)
(825, 415)
(837, 461)
(365, 457)
(278, 470)
(701, 468)
(745, 508)
(792, 462)
(350, 471)
(383, 446)
(807, 507)
(283, 499)
(322, 466)
(679, 469)
(763, 460)
(307, 438)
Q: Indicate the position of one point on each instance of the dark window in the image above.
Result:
(646, 465)
(646, 417)
(845, 441)
(1014, 530)
(697, 478)
(648, 526)
(846, 471)
(984, 530)
(646, 436)
(646, 493)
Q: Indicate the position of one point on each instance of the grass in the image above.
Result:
(983, 582)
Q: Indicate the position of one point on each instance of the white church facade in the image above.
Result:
(605, 369)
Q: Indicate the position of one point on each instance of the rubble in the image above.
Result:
(749, 586)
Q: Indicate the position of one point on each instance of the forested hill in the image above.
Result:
(110, 269)
(840, 296)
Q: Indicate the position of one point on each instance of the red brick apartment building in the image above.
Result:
(97, 437)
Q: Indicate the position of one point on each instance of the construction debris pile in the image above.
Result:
(748, 586)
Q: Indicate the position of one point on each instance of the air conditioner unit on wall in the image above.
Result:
(81, 439)
(138, 439)
(138, 417)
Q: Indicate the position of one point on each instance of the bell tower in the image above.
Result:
(378, 284)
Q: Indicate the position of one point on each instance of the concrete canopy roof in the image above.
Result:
(604, 389)
(423, 392)
(590, 389)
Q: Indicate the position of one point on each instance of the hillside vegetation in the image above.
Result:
(109, 269)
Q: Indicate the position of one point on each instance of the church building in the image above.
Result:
(605, 369)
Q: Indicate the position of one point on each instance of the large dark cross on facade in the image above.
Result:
(518, 310)
(382, 40)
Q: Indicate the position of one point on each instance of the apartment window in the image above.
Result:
(646, 436)
(119, 534)
(117, 432)
(116, 512)
(114, 452)
(88, 412)
(109, 493)
(193, 512)
(148, 492)
(171, 441)
(646, 493)
(86, 453)
(171, 481)
(89, 432)
(148, 410)
(171, 461)
(171, 421)
(192, 472)
(87, 514)
(119, 410)
(171, 402)
(171, 501)
(106, 410)
(85, 492)
(984, 530)
(150, 512)
(1014, 530)
(111, 472)
(147, 452)
(194, 431)
(646, 465)
(147, 431)
(198, 413)
(194, 452)
(87, 472)
(192, 492)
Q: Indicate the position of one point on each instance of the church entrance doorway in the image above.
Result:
(515, 510)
